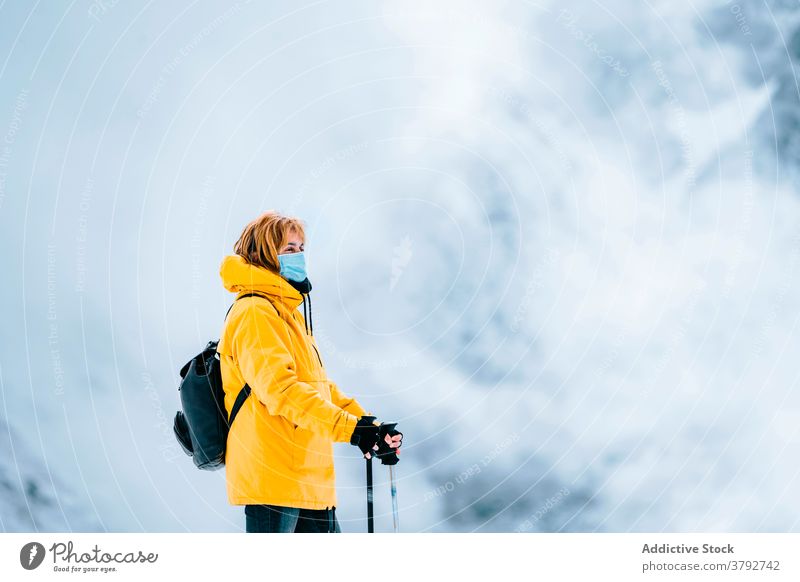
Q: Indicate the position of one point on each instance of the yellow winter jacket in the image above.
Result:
(280, 448)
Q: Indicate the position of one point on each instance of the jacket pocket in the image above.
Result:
(310, 451)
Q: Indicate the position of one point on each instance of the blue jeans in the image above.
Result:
(278, 519)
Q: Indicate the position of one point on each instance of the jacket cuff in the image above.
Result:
(344, 430)
(355, 408)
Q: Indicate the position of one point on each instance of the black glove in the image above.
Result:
(365, 435)
(385, 453)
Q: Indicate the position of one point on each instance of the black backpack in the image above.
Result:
(202, 425)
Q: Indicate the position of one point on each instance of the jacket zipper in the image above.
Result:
(316, 351)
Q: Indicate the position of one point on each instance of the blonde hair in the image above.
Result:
(261, 240)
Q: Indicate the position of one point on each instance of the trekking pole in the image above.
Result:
(390, 429)
(370, 520)
(395, 518)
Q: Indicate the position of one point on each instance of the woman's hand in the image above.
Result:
(382, 440)
(366, 435)
(393, 442)
(390, 440)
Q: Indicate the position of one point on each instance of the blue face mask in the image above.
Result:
(293, 266)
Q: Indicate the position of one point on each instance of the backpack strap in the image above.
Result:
(245, 391)
(248, 295)
(240, 398)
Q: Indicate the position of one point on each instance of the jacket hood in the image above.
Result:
(239, 276)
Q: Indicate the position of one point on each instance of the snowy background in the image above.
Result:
(557, 241)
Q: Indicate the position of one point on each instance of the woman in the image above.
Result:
(279, 457)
